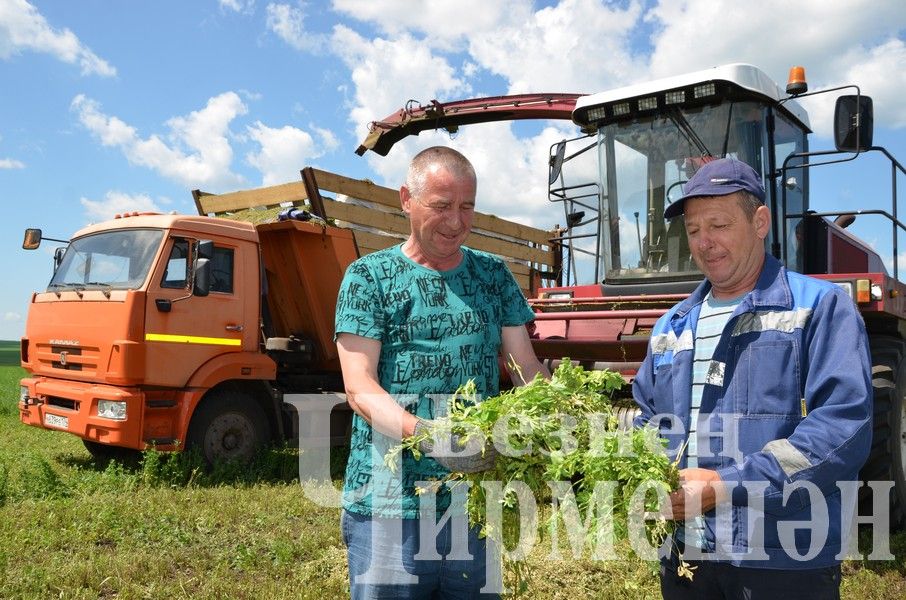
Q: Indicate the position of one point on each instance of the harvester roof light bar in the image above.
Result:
(595, 114)
(621, 109)
(649, 103)
(704, 90)
(675, 97)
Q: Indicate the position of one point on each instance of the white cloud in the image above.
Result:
(442, 23)
(251, 96)
(23, 28)
(10, 163)
(285, 150)
(239, 6)
(838, 43)
(12, 317)
(328, 139)
(576, 46)
(288, 22)
(820, 32)
(878, 72)
(117, 203)
(197, 152)
(387, 73)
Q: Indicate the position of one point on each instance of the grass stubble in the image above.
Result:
(164, 527)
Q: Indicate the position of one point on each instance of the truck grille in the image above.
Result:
(82, 359)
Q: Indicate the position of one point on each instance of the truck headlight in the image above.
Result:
(23, 394)
(110, 409)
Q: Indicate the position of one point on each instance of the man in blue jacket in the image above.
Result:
(761, 383)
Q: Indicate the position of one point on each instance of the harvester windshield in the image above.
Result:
(118, 259)
(643, 167)
(650, 140)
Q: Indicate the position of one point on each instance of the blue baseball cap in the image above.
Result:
(718, 178)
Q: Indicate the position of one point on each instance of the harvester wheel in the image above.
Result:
(887, 461)
(228, 425)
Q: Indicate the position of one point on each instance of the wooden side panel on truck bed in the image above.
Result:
(373, 213)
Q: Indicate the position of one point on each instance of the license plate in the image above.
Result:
(56, 421)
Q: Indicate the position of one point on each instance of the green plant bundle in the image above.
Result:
(558, 439)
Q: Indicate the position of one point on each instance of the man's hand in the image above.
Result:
(454, 452)
(700, 491)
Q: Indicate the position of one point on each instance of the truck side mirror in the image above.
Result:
(202, 277)
(205, 249)
(32, 239)
(853, 123)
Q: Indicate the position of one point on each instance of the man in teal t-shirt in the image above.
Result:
(413, 323)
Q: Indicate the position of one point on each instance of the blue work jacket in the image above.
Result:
(787, 412)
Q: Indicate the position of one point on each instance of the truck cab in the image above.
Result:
(126, 336)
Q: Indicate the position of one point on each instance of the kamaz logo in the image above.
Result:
(64, 342)
(63, 355)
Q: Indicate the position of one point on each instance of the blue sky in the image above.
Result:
(113, 106)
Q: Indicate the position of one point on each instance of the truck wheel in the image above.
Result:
(106, 452)
(228, 425)
(887, 461)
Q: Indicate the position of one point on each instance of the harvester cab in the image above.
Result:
(649, 139)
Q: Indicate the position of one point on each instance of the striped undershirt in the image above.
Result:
(711, 323)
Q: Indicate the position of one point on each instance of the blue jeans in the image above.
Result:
(386, 558)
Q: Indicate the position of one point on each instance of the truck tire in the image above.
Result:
(228, 425)
(887, 460)
(106, 452)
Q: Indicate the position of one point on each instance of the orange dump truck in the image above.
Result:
(175, 331)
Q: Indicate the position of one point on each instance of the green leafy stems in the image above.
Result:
(560, 440)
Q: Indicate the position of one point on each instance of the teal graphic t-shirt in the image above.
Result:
(438, 330)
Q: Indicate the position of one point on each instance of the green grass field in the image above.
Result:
(9, 354)
(162, 528)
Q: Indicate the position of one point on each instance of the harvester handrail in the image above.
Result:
(895, 166)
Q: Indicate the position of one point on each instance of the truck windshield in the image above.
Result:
(643, 165)
(110, 260)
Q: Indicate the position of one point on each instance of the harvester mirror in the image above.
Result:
(556, 163)
(853, 123)
(32, 239)
(202, 277)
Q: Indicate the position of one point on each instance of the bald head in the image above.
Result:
(433, 159)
